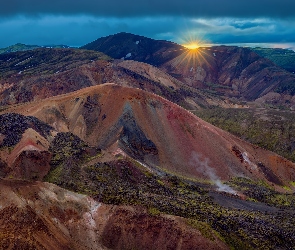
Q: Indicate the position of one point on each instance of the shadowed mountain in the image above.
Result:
(41, 73)
(220, 70)
(230, 71)
(133, 47)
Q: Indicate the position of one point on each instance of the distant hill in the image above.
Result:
(284, 58)
(139, 48)
(228, 71)
(24, 47)
(43, 72)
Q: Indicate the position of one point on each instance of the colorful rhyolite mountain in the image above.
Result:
(171, 180)
(156, 132)
(127, 146)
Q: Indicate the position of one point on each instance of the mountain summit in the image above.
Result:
(226, 71)
(134, 47)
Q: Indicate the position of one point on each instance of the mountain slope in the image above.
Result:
(42, 73)
(230, 71)
(24, 47)
(220, 70)
(284, 58)
(158, 133)
(37, 215)
(133, 47)
(161, 169)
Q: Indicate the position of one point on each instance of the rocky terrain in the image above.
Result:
(154, 207)
(109, 115)
(99, 153)
(42, 73)
(221, 70)
(36, 215)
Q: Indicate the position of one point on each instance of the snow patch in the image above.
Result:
(137, 42)
(214, 54)
(73, 197)
(192, 68)
(90, 222)
(23, 61)
(56, 220)
(94, 206)
(128, 55)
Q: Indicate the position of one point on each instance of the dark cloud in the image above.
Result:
(77, 22)
(129, 8)
(78, 30)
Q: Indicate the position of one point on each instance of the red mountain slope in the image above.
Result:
(158, 133)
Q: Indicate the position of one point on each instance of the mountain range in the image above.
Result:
(23, 47)
(100, 148)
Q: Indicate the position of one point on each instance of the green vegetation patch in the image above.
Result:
(284, 58)
(270, 129)
(262, 192)
(124, 181)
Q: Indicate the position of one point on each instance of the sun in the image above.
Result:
(192, 45)
(195, 54)
(192, 40)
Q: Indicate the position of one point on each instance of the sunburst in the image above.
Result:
(192, 45)
(194, 55)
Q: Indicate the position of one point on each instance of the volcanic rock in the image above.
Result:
(159, 133)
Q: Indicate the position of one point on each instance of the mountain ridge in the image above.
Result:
(224, 70)
(131, 120)
(24, 47)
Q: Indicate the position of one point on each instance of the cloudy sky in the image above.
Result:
(77, 22)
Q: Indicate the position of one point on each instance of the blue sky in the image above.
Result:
(77, 22)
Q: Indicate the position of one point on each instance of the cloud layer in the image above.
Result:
(131, 8)
(77, 22)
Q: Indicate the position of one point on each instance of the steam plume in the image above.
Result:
(202, 166)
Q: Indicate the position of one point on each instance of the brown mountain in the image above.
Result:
(231, 71)
(171, 180)
(157, 133)
(36, 215)
(42, 73)
(221, 70)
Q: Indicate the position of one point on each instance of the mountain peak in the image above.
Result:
(134, 47)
